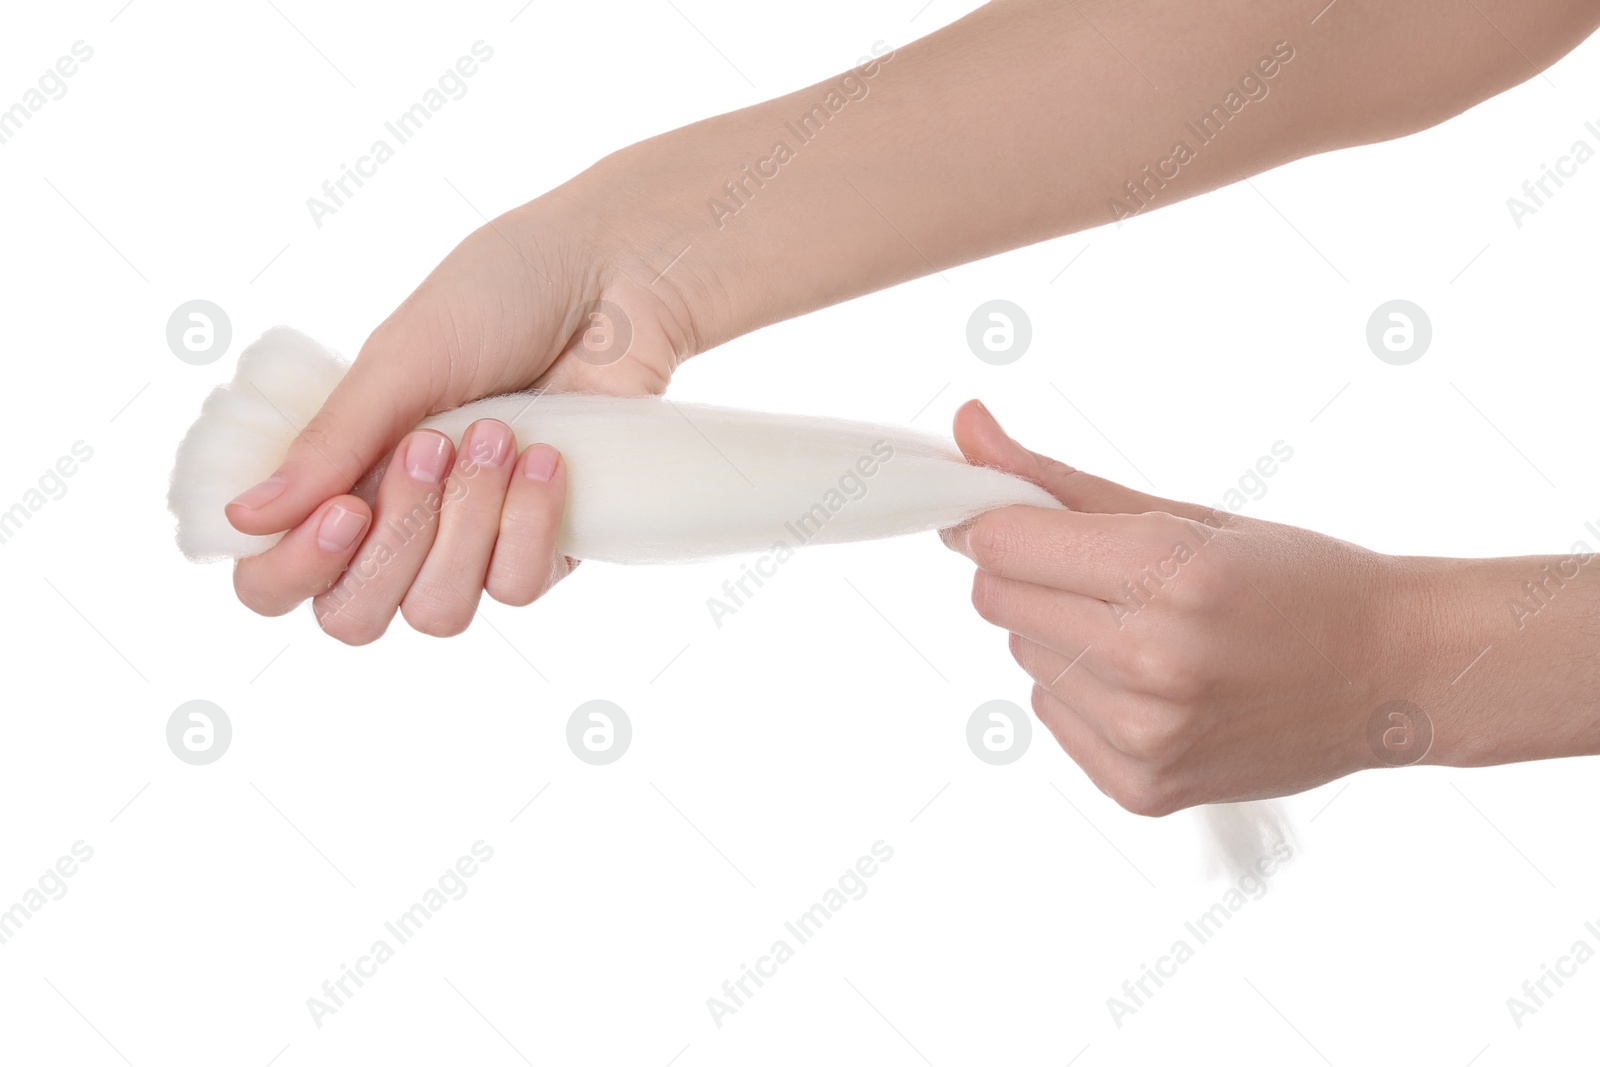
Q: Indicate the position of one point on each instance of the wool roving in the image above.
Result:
(649, 480)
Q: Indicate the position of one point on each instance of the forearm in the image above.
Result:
(1029, 119)
(1508, 656)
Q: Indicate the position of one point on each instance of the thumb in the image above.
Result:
(982, 441)
(383, 395)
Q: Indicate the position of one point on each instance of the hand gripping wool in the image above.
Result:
(649, 481)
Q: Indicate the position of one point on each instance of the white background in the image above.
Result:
(827, 715)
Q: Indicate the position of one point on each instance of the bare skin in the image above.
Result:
(1184, 656)
(1053, 101)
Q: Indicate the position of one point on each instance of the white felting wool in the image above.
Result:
(648, 481)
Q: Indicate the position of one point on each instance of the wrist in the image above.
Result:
(1507, 657)
(645, 209)
(749, 217)
(1438, 640)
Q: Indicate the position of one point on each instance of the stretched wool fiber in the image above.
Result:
(649, 480)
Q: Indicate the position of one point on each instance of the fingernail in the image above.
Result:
(490, 444)
(427, 457)
(263, 493)
(540, 463)
(339, 529)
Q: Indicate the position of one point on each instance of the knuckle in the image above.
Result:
(343, 617)
(1053, 470)
(346, 627)
(432, 620)
(400, 525)
(257, 599)
(1165, 525)
(1175, 536)
(993, 541)
(526, 526)
(515, 585)
(473, 496)
(512, 596)
(987, 597)
(522, 568)
(1166, 670)
(1131, 657)
(1150, 736)
(1165, 675)
(346, 624)
(1141, 793)
(1215, 519)
(1208, 580)
(408, 334)
(318, 445)
(435, 608)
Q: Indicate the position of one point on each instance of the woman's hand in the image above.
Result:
(1183, 655)
(543, 296)
(449, 527)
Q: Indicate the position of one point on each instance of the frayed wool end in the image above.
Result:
(242, 435)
